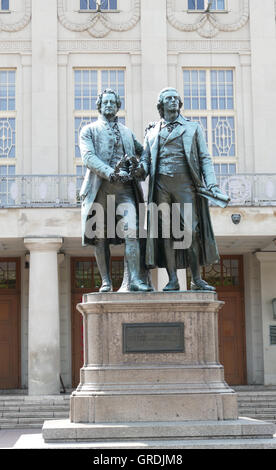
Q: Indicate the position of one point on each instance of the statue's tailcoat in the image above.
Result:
(97, 147)
(201, 171)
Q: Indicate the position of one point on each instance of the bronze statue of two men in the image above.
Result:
(181, 180)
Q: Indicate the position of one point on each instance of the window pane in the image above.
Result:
(223, 136)
(222, 89)
(194, 88)
(7, 137)
(83, 275)
(5, 4)
(220, 4)
(7, 90)
(113, 4)
(83, 4)
(191, 4)
(86, 89)
(104, 4)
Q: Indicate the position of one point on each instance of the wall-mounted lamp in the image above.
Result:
(274, 308)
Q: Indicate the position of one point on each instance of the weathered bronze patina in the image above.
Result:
(180, 170)
(104, 145)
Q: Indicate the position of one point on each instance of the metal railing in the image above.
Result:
(40, 191)
(63, 190)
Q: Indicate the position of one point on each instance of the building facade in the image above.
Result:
(55, 57)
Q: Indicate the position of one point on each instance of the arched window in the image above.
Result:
(91, 5)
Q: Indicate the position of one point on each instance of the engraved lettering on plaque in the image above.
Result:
(153, 338)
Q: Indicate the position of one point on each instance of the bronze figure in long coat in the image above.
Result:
(181, 154)
(104, 144)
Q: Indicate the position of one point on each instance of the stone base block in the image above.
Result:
(152, 407)
(240, 433)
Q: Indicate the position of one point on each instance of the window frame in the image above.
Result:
(210, 113)
(94, 10)
(11, 114)
(197, 10)
(92, 115)
(4, 10)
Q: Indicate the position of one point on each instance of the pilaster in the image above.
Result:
(263, 46)
(44, 88)
(154, 55)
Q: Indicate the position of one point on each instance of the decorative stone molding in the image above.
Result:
(214, 45)
(208, 24)
(16, 46)
(22, 23)
(99, 24)
(99, 45)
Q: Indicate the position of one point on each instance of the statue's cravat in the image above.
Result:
(171, 126)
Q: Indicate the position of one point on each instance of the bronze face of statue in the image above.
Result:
(105, 146)
(180, 172)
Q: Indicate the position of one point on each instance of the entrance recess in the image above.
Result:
(85, 278)
(9, 323)
(227, 277)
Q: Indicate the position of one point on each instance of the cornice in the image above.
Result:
(208, 24)
(22, 23)
(100, 24)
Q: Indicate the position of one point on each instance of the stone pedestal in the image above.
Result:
(150, 385)
(151, 373)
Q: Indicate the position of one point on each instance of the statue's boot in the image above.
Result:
(173, 284)
(197, 282)
(132, 254)
(102, 255)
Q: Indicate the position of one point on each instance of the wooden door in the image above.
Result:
(227, 277)
(85, 278)
(231, 338)
(9, 324)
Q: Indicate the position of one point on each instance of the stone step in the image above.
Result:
(26, 408)
(34, 414)
(257, 398)
(20, 426)
(187, 434)
(258, 409)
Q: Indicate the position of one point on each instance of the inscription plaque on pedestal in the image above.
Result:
(153, 338)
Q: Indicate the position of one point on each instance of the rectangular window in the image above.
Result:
(89, 83)
(209, 99)
(217, 5)
(92, 5)
(5, 5)
(7, 132)
(7, 173)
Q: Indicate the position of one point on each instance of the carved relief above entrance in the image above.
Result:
(208, 24)
(99, 24)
